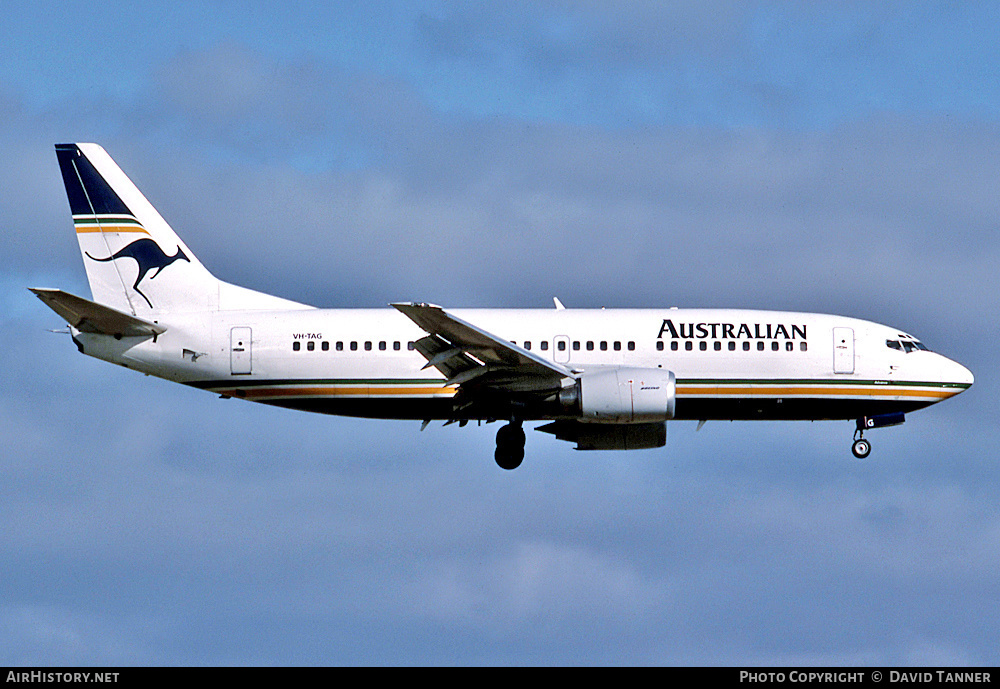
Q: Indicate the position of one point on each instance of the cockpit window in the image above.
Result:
(906, 345)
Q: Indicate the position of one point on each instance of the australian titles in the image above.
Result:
(731, 331)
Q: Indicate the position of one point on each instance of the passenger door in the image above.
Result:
(843, 350)
(240, 352)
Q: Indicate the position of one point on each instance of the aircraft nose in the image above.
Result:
(957, 375)
(965, 376)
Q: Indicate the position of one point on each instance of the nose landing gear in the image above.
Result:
(510, 446)
(861, 448)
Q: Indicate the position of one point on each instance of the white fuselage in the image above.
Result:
(729, 364)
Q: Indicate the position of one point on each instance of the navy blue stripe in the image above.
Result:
(86, 189)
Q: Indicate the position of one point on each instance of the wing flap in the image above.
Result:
(90, 317)
(444, 356)
(469, 355)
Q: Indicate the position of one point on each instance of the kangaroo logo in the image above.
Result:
(148, 255)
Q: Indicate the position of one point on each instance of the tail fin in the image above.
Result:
(115, 222)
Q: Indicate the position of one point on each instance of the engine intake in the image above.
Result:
(622, 395)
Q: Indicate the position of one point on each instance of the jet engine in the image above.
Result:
(608, 436)
(622, 396)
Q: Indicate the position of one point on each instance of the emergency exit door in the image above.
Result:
(240, 352)
(843, 350)
(560, 345)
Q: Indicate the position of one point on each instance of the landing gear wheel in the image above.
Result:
(510, 446)
(861, 448)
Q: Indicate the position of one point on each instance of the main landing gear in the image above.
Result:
(510, 445)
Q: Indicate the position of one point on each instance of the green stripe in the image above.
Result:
(99, 219)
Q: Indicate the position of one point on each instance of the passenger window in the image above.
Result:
(746, 346)
(354, 346)
(760, 346)
(673, 346)
(590, 345)
(618, 346)
(775, 346)
(561, 345)
(803, 346)
(396, 346)
(703, 346)
(732, 346)
(310, 345)
(410, 346)
(789, 346)
(381, 346)
(576, 345)
(631, 346)
(325, 346)
(604, 345)
(296, 346)
(368, 346)
(527, 345)
(545, 345)
(718, 346)
(340, 346)
(688, 346)
(659, 345)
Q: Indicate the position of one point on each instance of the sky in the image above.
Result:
(825, 157)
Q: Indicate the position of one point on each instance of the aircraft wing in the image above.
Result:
(90, 317)
(470, 356)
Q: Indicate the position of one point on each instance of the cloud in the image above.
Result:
(553, 37)
(34, 635)
(232, 97)
(560, 585)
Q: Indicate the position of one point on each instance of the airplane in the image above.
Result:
(605, 379)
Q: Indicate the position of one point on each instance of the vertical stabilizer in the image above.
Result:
(135, 262)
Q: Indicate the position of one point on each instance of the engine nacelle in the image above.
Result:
(622, 395)
(606, 436)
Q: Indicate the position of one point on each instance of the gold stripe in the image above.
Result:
(88, 229)
(343, 391)
(817, 391)
(681, 390)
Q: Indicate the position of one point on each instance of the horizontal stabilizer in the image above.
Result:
(90, 317)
